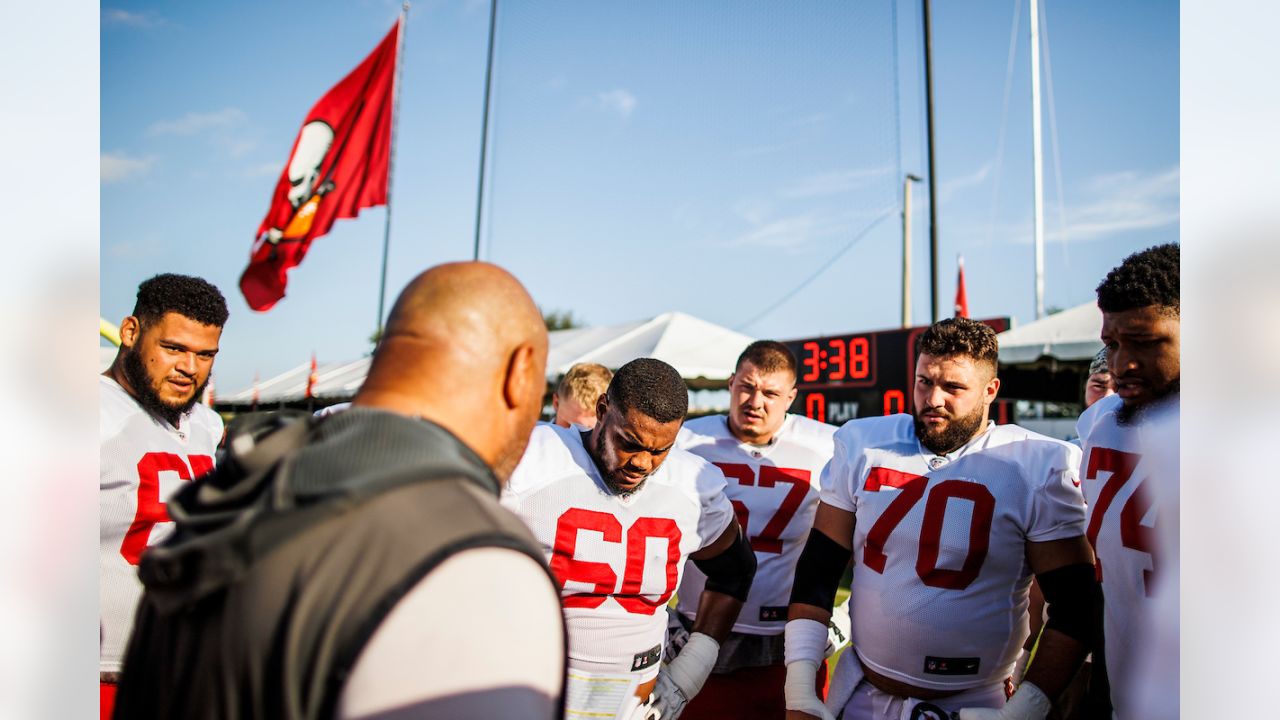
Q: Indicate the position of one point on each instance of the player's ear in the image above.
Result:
(555, 402)
(791, 396)
(602, 406)
(522, 378)
(130, 329)
(989, 392)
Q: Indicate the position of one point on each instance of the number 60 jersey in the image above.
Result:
(940, 580)
(143, 460)
(618, 558)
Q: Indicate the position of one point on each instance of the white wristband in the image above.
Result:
(689, 669)
(802, 677)
(1028, 701)
(804, 640)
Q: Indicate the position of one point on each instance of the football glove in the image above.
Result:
(838, 629)
(677, 636)
(683, 677)
(1028, 703)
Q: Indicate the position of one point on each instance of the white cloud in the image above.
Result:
(834, 183)
(954, 185)
(116, 16)
(264, 169)
(619, 101)
(117, 166)
(1121, 202)
(193, 122)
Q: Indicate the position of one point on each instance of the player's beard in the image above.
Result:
(146, 395)
(1133, 414)
(959, 430)
(609, 476)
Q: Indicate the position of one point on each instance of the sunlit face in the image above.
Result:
(167, 364)
(1097, 387)
(571, 412)
(952, 398)
(758, 402)
(628, 448)
(1143, 353)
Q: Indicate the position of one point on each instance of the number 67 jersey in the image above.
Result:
(940, 580)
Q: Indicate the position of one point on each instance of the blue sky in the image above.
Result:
(702, 157)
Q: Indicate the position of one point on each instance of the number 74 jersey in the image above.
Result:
(940, 582)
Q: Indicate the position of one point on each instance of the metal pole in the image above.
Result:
(1036, 161)
(933, 175)
(484, 126)
(906, 248)
(391, 159)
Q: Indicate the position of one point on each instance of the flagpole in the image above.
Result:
(391, 162)
(484, 125)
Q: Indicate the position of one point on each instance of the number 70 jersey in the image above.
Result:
(940, 581)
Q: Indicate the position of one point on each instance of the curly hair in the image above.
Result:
(1145, 278)
(190, 297)
(769, 356)
(960, 336)
(652, 387)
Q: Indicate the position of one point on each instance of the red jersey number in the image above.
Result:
(911, 488)
(1133, 534)
(770, 538)
(604, 579)
(150, 509)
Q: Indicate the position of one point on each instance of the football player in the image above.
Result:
(618, 510)
(152, 436)
(1141, 324)
(947, 517)
(772, 461)
(574, 401)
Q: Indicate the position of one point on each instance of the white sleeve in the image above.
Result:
(457, 645)
(717, 511)
(839, 476)
(1057, 506)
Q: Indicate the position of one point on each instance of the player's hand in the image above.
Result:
(838, 629)
(682, 678)
(801, 695)
(677, 636)
(1028, 703)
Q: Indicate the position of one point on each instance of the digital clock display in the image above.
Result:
(843, 377)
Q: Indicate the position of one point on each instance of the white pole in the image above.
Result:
(1036, 161)
(906, 252)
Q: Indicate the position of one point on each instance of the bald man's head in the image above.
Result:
(465, 347)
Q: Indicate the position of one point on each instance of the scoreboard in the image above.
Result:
(843, 377)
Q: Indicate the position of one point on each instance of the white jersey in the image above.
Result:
(143, 460)
(617, 558)
(940, 580)
(774, 490)
(1122, 530)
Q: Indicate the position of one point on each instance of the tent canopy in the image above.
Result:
(1071, 335)
(704, 353)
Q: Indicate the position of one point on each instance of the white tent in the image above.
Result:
(704, 353)
(1068, 335)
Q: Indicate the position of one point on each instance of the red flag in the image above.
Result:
(962, 299)
(311, 379)
(338, 165)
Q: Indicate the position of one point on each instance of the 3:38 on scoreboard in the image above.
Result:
(842, 377)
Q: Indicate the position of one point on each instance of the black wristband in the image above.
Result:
(1071, 593)
(818, 572)
(732, 571)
